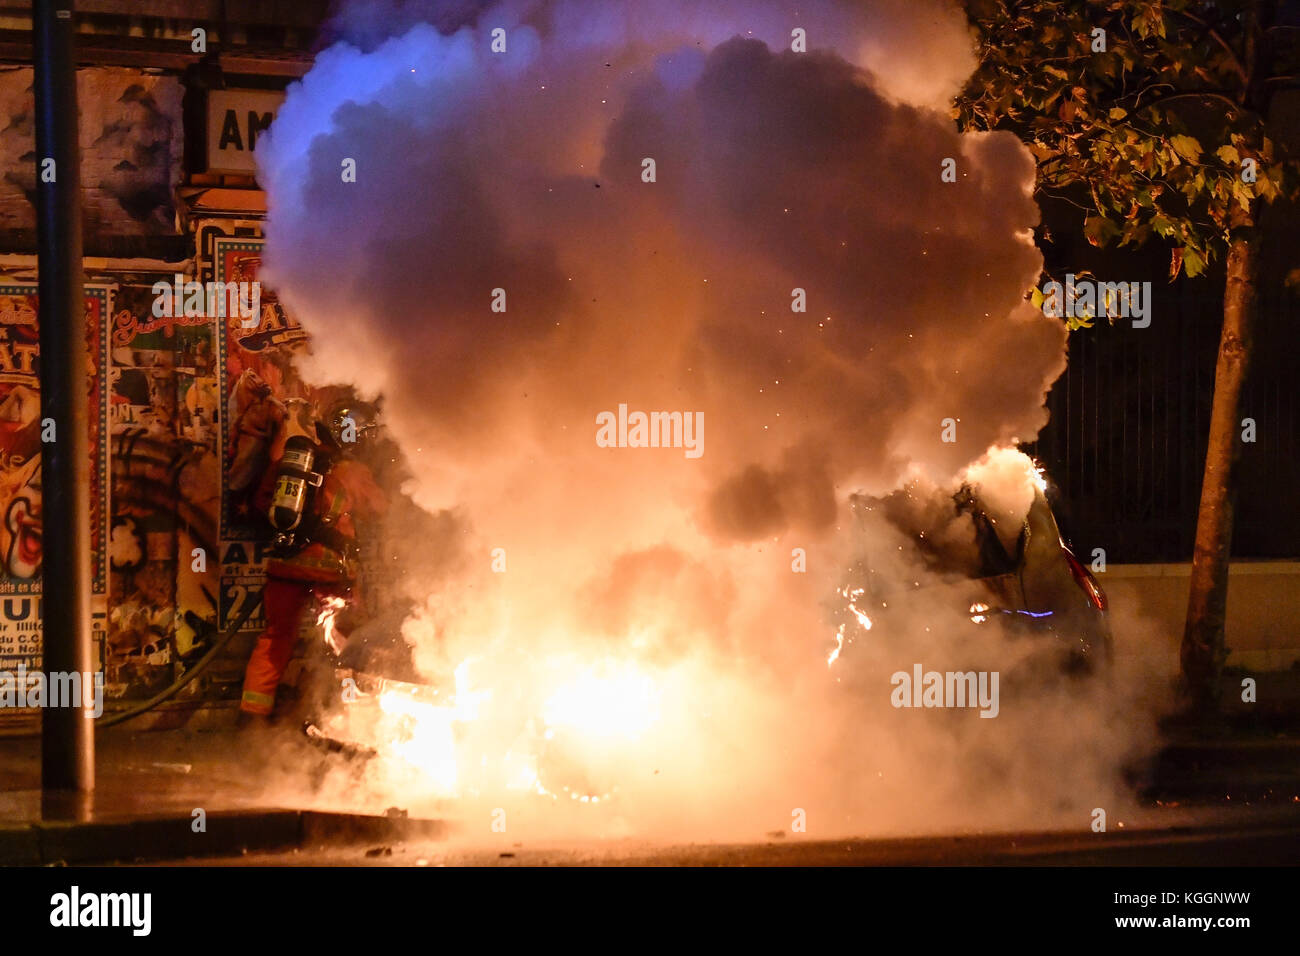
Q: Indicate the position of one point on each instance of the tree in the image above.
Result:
(1152, 116)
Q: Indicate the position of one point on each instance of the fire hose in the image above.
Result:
(147, 465)
(165, 463)
(202, 665)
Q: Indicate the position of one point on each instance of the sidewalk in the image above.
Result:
(148, 788)
(1251, 750)
(150, 783)
(1241, 767)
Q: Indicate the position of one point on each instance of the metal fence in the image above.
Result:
(1129, 420)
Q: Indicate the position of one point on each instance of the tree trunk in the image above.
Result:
(1203, 651)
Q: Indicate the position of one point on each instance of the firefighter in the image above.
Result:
(313, 494)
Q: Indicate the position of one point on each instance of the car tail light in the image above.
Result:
(1083, 577)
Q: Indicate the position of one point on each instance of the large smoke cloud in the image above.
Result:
(775, 171)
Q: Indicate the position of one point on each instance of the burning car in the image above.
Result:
(972, 556)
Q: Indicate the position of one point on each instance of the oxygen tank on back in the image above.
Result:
(294, 478)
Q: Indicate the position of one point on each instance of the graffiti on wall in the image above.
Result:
(262, 388)
(21, 433)
(165, 413)
(186, 413)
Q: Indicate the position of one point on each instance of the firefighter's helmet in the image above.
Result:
(352, 425)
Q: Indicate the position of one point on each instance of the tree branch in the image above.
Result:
(1202, 94)
(1218, 37)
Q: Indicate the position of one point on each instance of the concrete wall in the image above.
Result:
(1149, 603)
(131, 141)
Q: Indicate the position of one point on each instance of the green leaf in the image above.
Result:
(1099, 230)
(1243, 193)
(1193, 261)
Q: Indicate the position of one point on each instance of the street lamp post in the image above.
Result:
(67, 737)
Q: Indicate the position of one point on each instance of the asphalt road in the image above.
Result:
(1206, 836)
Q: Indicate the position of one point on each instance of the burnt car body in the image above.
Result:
(989, 572)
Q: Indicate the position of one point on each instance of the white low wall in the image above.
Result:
(1149, 601)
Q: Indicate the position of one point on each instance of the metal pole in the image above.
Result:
(67, 737)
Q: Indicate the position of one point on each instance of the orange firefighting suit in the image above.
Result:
(347, 492)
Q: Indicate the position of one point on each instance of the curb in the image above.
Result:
(229, 833)
(1247, 769)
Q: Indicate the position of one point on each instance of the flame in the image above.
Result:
(864, 622)
(1039, 476)
(839, 646)
(423, 732)
(330, 607)
(424, 737)
(588, 713)
(614, 699)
